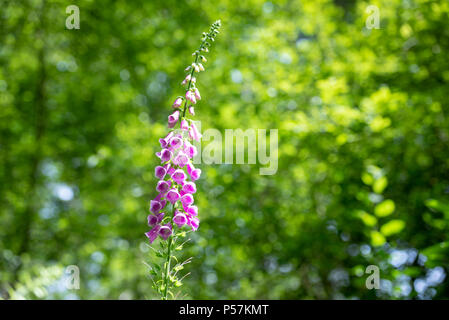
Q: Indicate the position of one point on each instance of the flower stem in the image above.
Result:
(167, 267)
(191, 74)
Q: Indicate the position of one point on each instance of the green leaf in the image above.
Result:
(377, 238)
(438, 205)
(367, 218)
(385, 208)
(380, 185)
(178, 267)
(367, 178)
(392, 227)
(436, 249)
(412, 271)
(437, 254)
(434, 222)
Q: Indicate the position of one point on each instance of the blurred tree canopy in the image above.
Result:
(363, 124)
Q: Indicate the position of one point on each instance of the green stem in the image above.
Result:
(191, 74)
(167, 268)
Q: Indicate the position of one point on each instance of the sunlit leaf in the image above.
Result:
(392, 227)
(367, 218)
(377, 238)
(380, 184)
(385, 208)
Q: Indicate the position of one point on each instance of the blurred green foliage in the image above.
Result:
(363, 173)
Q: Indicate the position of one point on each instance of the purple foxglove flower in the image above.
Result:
(177, 103)
(191, 151)
(184, 125)
(173, 118)
(190, 168)
(155, 206)
(171, 125)
(179, 176)
(161, 202)
(165, 231)
(180, 219)
(160, 216)
(194, 133)
(168, 168)
(192, 210)
(197, 94)
(164, 141)
(176, 142)
(177, 152)
(186, 80)
(194, 223)
(166, 155)
(170, 171)
(195, 174)
(160, 172)
(189, 187)
(162, 186)
(190, 96)
(181, 159)
(153, 233)
(173, 196)
(152, 220)
(186, 144)
(158, 197)
(187, 199)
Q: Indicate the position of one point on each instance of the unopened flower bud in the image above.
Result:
(197, 94)
(184, 125)
(194, 133)
(177, 103)
(190, 96)
(186, 80)
(173, 118)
